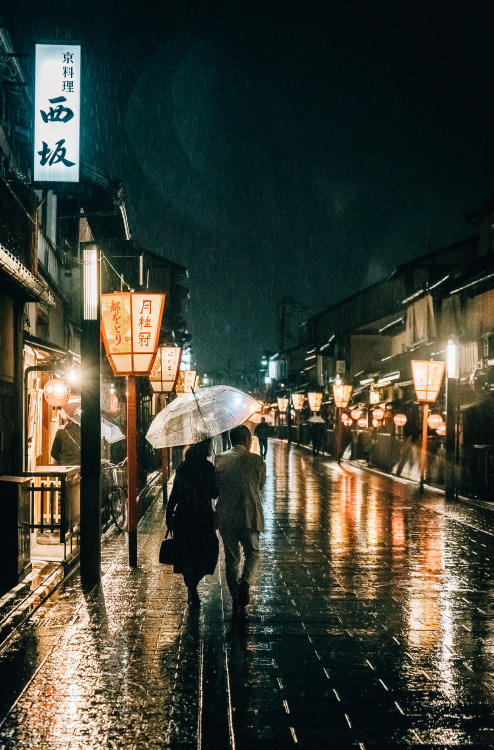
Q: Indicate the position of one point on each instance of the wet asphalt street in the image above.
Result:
(372, 626)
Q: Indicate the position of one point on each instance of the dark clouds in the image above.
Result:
(295, 148)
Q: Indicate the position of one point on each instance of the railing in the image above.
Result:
(55, 503)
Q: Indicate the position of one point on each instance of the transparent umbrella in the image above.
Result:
(110, 431)
(201, 414)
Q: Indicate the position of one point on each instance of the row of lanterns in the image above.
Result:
(434, 421)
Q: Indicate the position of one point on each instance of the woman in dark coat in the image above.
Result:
(190, 517)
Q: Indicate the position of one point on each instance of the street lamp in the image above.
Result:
(452, 372)
(90, 498)
(130, 324)
(315, 401)
(427, 378)
(341, 395)
(298, 403)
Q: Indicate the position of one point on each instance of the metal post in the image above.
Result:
(90, 503)
(450, 442)
(132, 468)
(423, 453)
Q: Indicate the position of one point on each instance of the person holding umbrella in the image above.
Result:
(190, 517)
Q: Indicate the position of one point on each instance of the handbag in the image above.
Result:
(166, 551)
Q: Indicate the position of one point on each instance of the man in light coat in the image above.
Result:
(240, 477)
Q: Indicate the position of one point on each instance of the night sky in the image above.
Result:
(279, 149)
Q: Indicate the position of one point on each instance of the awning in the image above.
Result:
(22, 276)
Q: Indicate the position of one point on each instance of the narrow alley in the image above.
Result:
(372, 626)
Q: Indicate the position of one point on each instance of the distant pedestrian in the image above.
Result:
(262, 433)
(66, 447)
(316, 435)
(240, 477)
(190, 517)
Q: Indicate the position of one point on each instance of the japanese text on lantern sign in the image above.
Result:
(57, 113)
(145, 322)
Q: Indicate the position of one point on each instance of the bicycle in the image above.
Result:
(114, 478)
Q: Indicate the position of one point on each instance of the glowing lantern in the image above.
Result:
(56, 392)
(315, 401)
(355, 413)
(163, 376)
(282, 403)
(113, 403)
(362, 422)
(400, 420)
(298, 401)
(441, 430)
(186, 381)
(341, 394)
(378, 414)
(434, 421)
(375, 423)
(427, 377)
(130, 326)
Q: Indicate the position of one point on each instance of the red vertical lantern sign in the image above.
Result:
(130, 326)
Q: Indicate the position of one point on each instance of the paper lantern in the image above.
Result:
(341, 394)
(130, 326)
(441, 430)
(400, 420)
(298, 400)
(315, 401)
(355, 414)
(434, 421)
(282, 403)
(362, 422)
(378, 414)
(56, 392)
(164, 373)
(427, 377)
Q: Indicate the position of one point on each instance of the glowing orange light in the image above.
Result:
(356, 413)
(362, 422)
(427, 378)
(400, 420)
(441, 430)
(56, 392)
(434, 421)
(378, 413)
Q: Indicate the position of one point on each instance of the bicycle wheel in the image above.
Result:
(118, 504)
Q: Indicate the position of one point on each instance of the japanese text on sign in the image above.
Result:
(57, 113)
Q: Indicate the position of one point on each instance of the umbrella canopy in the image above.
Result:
(110, 431)
(257, 416)
(201, 414)
(316, 418)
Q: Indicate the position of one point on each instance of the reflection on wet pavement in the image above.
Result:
(371, 627)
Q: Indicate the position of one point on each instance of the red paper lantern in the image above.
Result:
(378, 414)
(362, 422)
(355, 413)
(56, 392)
(400, 420)
(441, 430)
(434, 421)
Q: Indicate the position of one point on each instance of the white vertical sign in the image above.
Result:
(57, 105)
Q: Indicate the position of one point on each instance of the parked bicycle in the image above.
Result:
(114, 478)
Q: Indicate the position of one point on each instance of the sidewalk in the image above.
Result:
(371, 627)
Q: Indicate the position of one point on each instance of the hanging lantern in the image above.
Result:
(441, 430)
(375, 423)
(130, 326)
(315, 401)
(434, 421)
(163, 376)
(355, 414)
(56, 392)
(378, 414)
(298, 400)
(362, 422)
(400, 420)
(282, 403)
(186, 381)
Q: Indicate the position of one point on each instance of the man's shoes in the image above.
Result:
(243, 594)
(193, 599)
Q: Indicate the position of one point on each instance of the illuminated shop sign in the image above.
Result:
(57, 113)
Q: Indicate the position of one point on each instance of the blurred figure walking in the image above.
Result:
(262, 433)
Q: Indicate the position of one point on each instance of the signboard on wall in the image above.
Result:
(57, 109)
